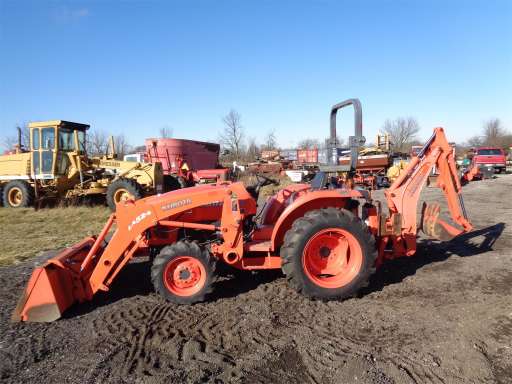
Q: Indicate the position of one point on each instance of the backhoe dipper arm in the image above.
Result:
(402, 196)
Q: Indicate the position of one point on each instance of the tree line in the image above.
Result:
(403, 134)
(237, 146)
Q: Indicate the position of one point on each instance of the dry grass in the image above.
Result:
(26, 232)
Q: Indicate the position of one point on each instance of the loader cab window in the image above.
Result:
(62, 163)
(81, 141)
(66, 140)
(48, 138)
(36, 162)
(35, 139)
(47, 161)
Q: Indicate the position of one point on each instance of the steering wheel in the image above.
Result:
(254, 190)
(264, 180)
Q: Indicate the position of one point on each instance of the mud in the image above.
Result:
(443, 316)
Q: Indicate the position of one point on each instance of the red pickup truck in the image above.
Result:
(490, 157)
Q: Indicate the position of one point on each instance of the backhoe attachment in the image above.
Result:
(404, 193)
(432, 225)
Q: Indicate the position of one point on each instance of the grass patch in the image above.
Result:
(26, 232)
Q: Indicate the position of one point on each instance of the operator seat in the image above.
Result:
(319, 181)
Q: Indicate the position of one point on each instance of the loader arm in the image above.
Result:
(78, 272)
(403, 195)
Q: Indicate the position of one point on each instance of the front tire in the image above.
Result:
(183, 273)
(328, 254)
(18, 194)
(122, 190)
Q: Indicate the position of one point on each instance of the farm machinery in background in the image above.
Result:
(302, 164)
(56, 167)
(186, 162)
(326, 238)
(482, 163)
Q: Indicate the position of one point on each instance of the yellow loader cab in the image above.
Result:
(56, 166)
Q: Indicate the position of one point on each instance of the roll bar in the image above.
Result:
(354, 141)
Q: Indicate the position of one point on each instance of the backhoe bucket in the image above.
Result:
(53, 287)
(433, 226)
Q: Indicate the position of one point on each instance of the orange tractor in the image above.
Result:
(328, 241)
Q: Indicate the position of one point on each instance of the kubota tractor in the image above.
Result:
(327, 241)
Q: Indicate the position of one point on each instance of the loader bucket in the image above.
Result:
(432, 225)
(53, 287)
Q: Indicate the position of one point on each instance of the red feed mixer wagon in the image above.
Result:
(188, 161)
(327, 241)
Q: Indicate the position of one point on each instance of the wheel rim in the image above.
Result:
(184, 276)
(15, 197)
(332, 258)
(122, 195)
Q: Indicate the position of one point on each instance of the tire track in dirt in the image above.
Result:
(431, 319)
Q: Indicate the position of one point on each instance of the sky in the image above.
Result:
(134, 67)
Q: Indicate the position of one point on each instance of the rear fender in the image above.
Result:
(308, 202)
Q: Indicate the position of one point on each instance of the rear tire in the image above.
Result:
(183, 273)
(18, 194)
(123, 189)
(328, 254)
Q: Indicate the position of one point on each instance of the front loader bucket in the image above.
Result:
(46, 296)
(432, 225)
(53, 287)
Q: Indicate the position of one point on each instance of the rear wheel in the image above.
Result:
(17, 194)
(328, 254)
(122, 190)
(183, 273)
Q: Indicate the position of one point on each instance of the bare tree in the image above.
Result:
(339, 142)
(493, 133)
(165, 132)
(233, 135)
(308, 143)
(97, 142)
(122, 145)
(253, 150)
(270, 141)
(401, 131)
(9, 142)
(474, 141)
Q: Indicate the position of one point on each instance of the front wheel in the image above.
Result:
(183, 273)
(328, 254)
(18, 194)
(122, 190)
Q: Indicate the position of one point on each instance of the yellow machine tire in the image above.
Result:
(18, 194)
(122, 189)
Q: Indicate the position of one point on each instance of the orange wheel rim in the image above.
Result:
(15, 197)
(184, 276)
(122, 195)
(332, 258)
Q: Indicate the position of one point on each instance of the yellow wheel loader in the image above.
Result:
(56, 166)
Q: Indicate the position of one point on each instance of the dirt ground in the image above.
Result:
(443, 316)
